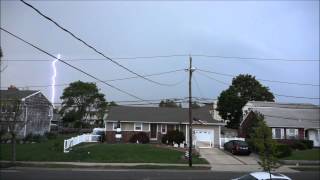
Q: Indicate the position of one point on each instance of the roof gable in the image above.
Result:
(16, 94)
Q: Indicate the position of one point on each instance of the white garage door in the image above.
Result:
(203, 138)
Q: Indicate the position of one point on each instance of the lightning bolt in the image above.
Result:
(53, 78)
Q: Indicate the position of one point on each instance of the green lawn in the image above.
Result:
(309, 154)
(111, 153)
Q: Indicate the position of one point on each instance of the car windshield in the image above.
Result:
(242, 143)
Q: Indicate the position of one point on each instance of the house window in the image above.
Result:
(277, 133)
(115, 126)
(163, 128)
(292, 133)
(138, 126)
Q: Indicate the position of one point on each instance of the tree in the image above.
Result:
(12, 117)
(1, 54)
(168, 103)
(261, 140)
(80, 101)
(244, 88)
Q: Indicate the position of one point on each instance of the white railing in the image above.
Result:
(224, 140)
(69, 143)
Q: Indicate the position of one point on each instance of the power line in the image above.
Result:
(76, 68)
(145, 100)
(197, 85)
(177, 99)
(297, 97)
(255, 58)
(90, 46)
(213, 78)
(267, 80)
(99, 59)
(110, 80)
(171, 56)
(280, 95)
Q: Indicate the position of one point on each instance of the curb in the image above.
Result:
(299, 162)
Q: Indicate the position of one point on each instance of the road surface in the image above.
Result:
(122, 174)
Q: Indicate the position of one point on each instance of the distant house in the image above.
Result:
(36, 109)
(287, 120)
(157, 121)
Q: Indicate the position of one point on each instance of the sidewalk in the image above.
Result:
(212, 167)
(222, 161)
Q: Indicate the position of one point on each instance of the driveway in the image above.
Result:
(221, 160)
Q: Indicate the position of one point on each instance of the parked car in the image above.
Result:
(237, 147)
(263, 176)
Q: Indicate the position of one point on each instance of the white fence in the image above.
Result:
(224, 140)
(69, 143)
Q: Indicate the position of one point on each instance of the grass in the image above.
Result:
(306, 168)
(309, 154)
(108, 153)
(167, 167)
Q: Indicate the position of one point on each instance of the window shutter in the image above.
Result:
(282, 133)
(273, 133)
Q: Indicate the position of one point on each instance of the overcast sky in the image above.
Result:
(285, 29)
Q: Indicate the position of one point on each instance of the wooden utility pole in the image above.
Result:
(190, 113)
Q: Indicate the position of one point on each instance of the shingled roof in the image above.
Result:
(291, 117)
(158, 114)
(15, 94)
(281, 105)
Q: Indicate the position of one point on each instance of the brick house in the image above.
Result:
(157, 121)
(287, 120)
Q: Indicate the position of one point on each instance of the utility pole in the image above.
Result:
(190, 112)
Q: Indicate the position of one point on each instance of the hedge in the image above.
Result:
(140, 137)
(283, 150)
(171, 137)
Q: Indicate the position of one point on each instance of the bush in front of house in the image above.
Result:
(35, 138)
(140, 137)
(308, 143)
(299, 145)
(164, 139)
(283, 150)
(171, 137)
(50, 135)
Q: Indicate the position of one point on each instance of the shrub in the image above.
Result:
(141, 137)
(299, 145)
(5, 137)
(308, 143)
(50, 135)
(35, 138)
(173, 137)
(283, 150)
(164, 139)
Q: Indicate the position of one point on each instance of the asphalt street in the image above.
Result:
(122, 174)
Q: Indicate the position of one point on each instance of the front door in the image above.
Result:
(153, 129)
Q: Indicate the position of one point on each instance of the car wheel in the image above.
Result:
(232, 151)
